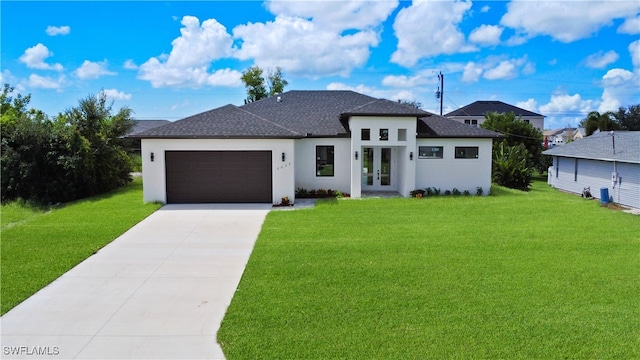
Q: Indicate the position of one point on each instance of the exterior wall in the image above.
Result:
(596, 174)
(448, 173)
(154, 176)
(536, 121)
(403, 169)
(305, 168)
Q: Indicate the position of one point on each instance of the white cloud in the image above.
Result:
(565, 21)
(563, 104)
(472, 72)
(419, 79)
(485, 9)
(630, 26)
(314, 38)
(497, 68)
(530, 104)
(336, 16)
(634, 50)
(620, 89)
(191, 56)
(114, 94)
(486, 35)
(429, 28)
(130, 65)
(34, 58)
(93, 70)
(58, 30)
(601, 59)
(45, 82)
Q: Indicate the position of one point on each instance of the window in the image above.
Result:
(402, 134)
(469, 152)
(526, 121)
(474, 122)
(467, 122)
(384, 134)
(365, 134)
(324, 160)
(430, 152)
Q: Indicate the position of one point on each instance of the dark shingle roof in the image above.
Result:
(438, 126)
(296, 114)
(384, 107)
(480, 108)
(600, 147)
(144, 125)
(228, 121)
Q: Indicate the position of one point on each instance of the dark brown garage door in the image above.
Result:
(218, 176)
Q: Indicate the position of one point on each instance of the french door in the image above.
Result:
(377, 171)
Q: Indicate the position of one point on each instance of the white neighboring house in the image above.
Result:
(592, 162)
(340, 140)
(474, 113)
(559, 136)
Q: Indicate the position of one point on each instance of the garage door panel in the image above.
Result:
(218, 176)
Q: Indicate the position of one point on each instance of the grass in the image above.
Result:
(39, 245)
(515, 275)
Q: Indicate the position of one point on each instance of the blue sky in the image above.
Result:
(169, 60)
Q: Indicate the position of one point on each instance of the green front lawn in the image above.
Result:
(39, 245)
(515, 275)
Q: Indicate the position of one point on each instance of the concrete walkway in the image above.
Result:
(159, 291)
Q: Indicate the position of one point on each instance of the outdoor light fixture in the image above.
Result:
(356, 155)
(282, 157)
(152, 157)
(411, 155)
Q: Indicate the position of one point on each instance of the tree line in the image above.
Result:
(622, 119)
(78, 153)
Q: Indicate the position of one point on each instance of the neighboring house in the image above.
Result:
(141, 126)
(580, 133)
(474, 113)
(592, 162)
(340, 140)
(559, 136)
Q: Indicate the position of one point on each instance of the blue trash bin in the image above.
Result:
(604, 196)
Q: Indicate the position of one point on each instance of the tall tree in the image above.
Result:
(515, 132)
(597, 121)
(276, 82)
(628, 119)
(254, 82)
(75, 155)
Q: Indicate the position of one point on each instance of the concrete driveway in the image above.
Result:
(159, 291)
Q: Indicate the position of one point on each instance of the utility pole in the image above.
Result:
(440, 91)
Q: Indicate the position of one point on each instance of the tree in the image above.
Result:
(276, 82)
(509, 166)
(628, 119)
(255, 83)
(515, 132)
(77, 154)
(596, 121)
(98, 140)
(416, 104)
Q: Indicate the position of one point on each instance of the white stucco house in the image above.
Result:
(474, 113)
(602, 160)
(340, 140)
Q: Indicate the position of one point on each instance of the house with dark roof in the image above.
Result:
(339, 140)
(608, 160)
(139, 126)
(474, 113)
